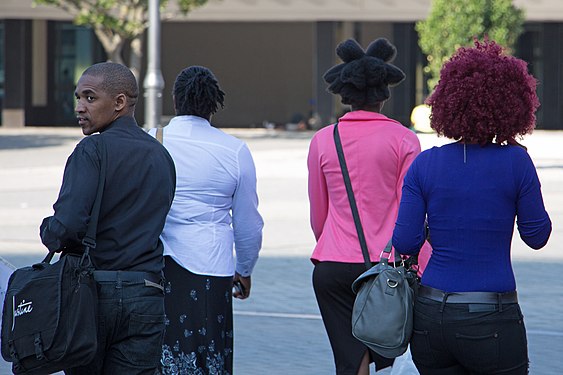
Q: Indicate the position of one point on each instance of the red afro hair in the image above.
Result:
(484, 95)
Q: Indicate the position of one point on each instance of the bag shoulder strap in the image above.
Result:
(352, 200)
(159, 135)
(90, 237)
(89, 240)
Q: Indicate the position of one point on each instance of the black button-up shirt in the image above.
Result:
(138, 192)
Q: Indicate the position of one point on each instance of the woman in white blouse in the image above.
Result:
(214, 210)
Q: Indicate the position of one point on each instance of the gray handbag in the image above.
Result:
(382, 316)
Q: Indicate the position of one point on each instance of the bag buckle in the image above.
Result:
(88, 242)
(392, 283)
(38, 343)
(13, 352)
(85, 261)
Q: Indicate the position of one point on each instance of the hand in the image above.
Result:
(245, 284)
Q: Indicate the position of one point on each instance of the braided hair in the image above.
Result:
(197, 92)
(363, 79)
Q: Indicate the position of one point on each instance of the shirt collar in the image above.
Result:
(363, 116)
(121, 121)
(189, 119)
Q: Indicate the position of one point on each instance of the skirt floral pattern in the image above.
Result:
(199, 323)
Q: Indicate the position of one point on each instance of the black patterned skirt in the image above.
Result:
(199, 323)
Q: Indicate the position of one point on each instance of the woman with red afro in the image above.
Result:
(467, 317)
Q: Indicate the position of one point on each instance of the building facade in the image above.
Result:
(269, 57)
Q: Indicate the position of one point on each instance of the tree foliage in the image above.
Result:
(454, 23)
(117, 23)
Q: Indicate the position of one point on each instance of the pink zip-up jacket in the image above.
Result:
(378, 153)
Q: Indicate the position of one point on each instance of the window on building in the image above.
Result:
(530, 49)
(76, 48)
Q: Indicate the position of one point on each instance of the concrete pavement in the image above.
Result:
(278, 330)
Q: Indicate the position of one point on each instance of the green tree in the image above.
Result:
(117, 23)
(454, 23)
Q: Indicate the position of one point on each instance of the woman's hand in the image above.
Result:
(241, 286)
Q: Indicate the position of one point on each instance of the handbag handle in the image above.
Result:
(89, 240)
(354, 207)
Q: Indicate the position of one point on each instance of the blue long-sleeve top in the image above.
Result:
(470, 195)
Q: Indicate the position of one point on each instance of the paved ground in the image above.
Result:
(278, 331)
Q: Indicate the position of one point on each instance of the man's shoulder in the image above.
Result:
(89, 144)
(130, 133)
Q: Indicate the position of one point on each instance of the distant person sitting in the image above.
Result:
(297, 122)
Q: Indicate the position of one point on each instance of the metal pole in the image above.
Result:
(154, 83)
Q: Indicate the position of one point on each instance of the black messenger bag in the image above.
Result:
(49, 318)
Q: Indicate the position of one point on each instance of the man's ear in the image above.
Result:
(120, 102)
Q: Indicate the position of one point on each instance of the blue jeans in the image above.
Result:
(463, 339)
(130, 328)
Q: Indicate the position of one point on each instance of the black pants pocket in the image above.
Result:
(420, 348)
(479, 351)
(146, 333)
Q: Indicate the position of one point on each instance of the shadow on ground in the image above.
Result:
(278, 330)
(15, 142)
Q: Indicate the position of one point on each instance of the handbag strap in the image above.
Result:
(89, 240)
(159, 135)
(353, 206)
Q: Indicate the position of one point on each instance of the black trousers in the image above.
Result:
(332, 282)
(130, 325)
(460, 339)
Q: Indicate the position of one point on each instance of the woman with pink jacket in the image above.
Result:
(378, 152)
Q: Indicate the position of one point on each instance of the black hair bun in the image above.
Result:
(364, 77)
(350, 50)
(382, 49)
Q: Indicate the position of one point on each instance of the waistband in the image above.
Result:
(467, 297)
(127, 276)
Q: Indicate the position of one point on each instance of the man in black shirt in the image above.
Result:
(139, 189)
